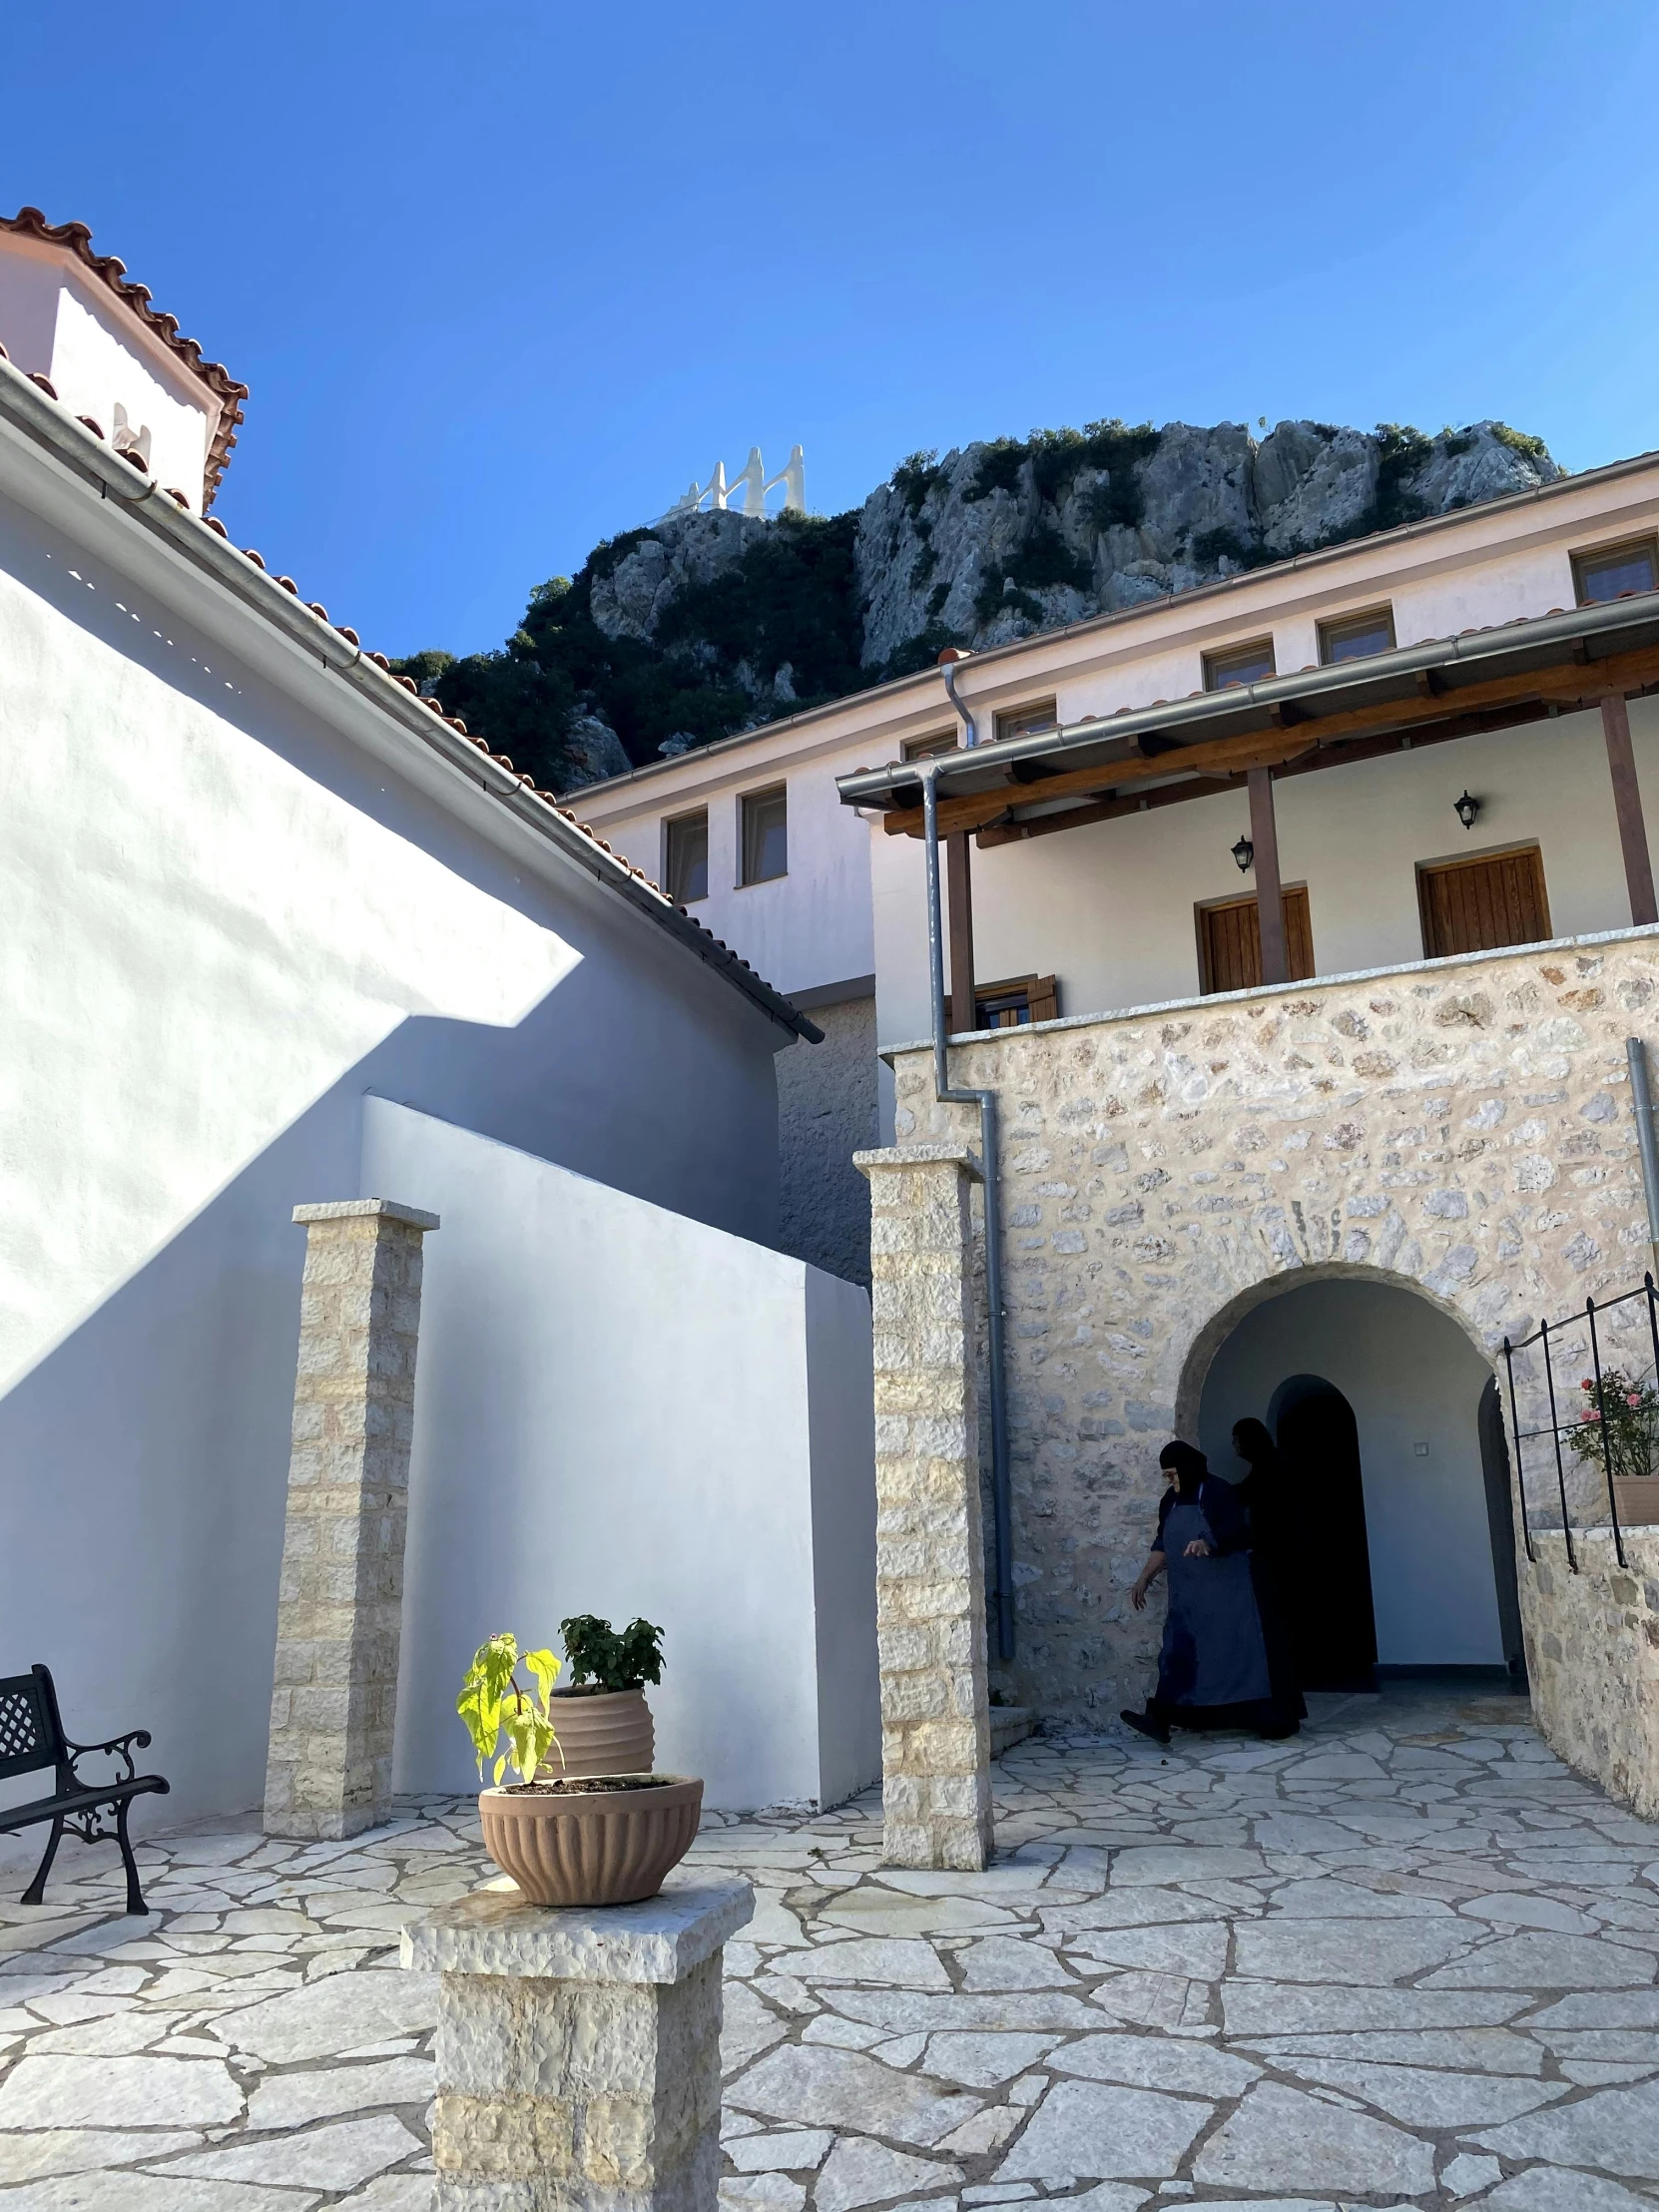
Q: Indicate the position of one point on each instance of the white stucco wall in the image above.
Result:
(230, 916)
(804, 931)
(1109, 909)
(1413, 1378)
(620, 1411)
(59, 323)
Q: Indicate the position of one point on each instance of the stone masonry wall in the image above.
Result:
(929, 1549)
(1592, 1651)
(828, 1109)
(1461, 1127)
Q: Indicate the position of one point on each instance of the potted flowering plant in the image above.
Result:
(606, 1839)
(1618, 1425)
(604, 1721)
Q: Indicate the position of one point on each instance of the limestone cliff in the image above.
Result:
(999, 540)
(703, 624)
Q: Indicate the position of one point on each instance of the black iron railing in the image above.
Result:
(1593, 1430)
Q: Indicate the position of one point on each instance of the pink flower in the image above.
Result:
(1633, 1398)
(1588, 1416)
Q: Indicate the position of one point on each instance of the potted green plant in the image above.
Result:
(565, 1839)
(604, 1721)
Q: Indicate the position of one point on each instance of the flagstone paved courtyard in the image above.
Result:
(1407, 1959)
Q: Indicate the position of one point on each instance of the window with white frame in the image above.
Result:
(766, 835)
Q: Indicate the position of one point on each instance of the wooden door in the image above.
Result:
(1475, 906)
(1230, 942)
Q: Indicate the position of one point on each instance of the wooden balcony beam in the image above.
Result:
(1211, 787)
(1270, 894)
(1568, 687)
(1627, 805)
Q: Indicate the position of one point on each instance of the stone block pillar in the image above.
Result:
(930, 1554)
(340, 1608)
(578, 2052)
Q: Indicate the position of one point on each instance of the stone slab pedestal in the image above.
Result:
(929, 1551)
(578, 2052)
(340, 1608)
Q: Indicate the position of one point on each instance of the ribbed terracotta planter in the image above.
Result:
(1637, 1499)
(602, 1731)
(591, 1847)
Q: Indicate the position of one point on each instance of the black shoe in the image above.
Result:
(1146, 1724)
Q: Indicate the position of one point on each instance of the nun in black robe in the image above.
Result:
(1224, 1662)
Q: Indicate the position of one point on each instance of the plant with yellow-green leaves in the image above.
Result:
(493, 1703)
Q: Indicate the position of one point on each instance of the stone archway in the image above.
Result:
(1207, 1335)
(1406, 1539)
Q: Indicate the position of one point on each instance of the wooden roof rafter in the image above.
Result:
(1354, 709)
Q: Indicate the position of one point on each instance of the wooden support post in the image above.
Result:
(959, 884)
(1270, 899)
(1627, 804)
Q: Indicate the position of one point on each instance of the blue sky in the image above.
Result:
(503, 279)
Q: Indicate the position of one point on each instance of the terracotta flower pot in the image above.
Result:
(575, 1843)
(602, 1731)
(1637, 1499)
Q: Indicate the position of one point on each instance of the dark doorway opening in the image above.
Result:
(1328, 1597)
(1500, 1518)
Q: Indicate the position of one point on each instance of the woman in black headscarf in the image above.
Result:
(1214, 1669)
(1267, 1495)
(1265, 1492)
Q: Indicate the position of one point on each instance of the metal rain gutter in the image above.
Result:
(970, 735)
(866, 787)
(1002, 1509)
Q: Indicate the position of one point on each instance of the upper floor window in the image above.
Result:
(1011, 1003)
(1239, 664)
(1027, 722)
(1612, 570)
(766, 835)
(929, 749)
(686, 858)
(1353, 637)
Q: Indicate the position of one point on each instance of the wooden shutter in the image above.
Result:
(1230, 942)
(1011, 1003)
(1477, 904)
(1042, 999)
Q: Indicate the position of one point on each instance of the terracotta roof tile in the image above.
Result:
(76, 239)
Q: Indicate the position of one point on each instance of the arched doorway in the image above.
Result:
(1376, 1395)
(1328, 1594)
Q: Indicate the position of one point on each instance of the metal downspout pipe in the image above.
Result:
(1641, 1099)
(1002, 1520)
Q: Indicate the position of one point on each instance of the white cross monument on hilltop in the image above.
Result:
(746, 492)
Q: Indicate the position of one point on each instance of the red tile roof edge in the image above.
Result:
(76, 239)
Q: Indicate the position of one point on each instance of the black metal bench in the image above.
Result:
(31, 1737)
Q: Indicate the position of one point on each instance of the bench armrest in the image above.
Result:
(118, 1747)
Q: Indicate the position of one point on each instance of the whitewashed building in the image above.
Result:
(279, 933)
(1212, 1202)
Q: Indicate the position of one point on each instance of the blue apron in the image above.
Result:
(1213, 1652)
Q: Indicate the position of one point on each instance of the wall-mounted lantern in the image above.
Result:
(1244, 853)
(1467, 810)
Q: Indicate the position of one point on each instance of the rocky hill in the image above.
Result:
(705, 623)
